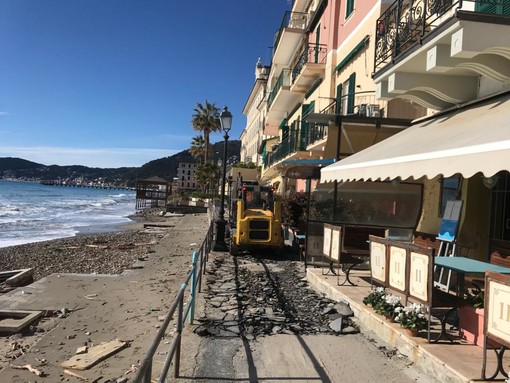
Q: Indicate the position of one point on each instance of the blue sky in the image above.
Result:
(111, 83)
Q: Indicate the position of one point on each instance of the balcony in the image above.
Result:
(310, 66)
(418, 42)
(281, 99)
(289, 36)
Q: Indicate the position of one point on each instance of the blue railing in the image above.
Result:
(194, 281)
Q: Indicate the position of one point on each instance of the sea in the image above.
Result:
(32, 212)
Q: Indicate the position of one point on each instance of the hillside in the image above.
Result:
(17, 168)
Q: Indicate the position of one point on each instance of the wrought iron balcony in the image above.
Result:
(406, 22)
(312, 54)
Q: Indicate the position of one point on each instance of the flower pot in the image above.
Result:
(471, 324)
(412, 332)
(390, 319)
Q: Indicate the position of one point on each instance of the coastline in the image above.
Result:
(100, 249)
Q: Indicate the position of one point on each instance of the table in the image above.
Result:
(463, 265)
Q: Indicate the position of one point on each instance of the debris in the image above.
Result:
(82, 350)
(97, 246)
(29, 368)
(70, 373)
(90, 296)
(132, 369)
(94, 355)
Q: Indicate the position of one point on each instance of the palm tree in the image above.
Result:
(197, 149)
(206, 120)
(206, 175)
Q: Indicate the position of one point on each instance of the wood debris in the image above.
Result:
(94, 355)
(70, 373)
(29, 368)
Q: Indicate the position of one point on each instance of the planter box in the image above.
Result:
(471, 324)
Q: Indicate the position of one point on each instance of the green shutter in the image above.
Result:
(317, 44)
(350, 8)
(305, 126)
(495, 9)
(352, 91)
(338, 107)
(317, 15)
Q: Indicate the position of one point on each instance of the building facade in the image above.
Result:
(185, 180)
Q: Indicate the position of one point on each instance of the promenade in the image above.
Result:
(89, 309)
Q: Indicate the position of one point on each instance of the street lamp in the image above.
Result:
(226, 125)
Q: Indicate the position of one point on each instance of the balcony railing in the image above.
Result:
(296, 20)
(313, 54)
(283, 80)
(304, 134)
(405, 23)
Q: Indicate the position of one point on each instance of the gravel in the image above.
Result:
(106, 253)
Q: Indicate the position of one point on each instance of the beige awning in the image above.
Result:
(468, 140)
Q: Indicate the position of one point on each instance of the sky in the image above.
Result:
(112, 83)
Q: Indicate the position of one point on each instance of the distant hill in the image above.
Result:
(166, 168)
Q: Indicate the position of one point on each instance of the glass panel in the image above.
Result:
(389, 205)
(450, 190)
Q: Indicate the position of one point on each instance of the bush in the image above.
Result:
(295, 209)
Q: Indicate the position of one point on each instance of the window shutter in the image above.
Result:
(338, 107)
(352, 91)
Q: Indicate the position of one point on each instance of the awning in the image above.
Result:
(467, 140)
(304, 169)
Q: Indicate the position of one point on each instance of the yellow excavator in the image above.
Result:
(255, 218)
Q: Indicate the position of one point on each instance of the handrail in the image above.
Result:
(200, 257)
(406, 22)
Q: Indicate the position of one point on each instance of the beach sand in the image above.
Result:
(113, 285)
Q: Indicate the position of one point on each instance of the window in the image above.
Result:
(450, 190)
(348, 90)
(349, 8)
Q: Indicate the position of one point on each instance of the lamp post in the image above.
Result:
(219, 243)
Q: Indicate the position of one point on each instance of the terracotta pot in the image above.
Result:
(471, 324)
(411, 332)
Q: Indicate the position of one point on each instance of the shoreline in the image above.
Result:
(108, 249)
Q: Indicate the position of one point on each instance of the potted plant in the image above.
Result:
(388, 306)
(412, 317)
(375, 297)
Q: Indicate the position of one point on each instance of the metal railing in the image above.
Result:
(405, 23)
(194, 280)
(312, 54)
(283, 80)
(295, 20)
(304, 134)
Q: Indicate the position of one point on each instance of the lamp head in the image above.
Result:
(226, 120)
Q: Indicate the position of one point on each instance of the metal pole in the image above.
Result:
(193, 287)
(220, 222)
(179, 332)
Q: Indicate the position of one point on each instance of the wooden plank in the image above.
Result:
(94, 355)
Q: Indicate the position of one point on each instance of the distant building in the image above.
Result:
(185, 181)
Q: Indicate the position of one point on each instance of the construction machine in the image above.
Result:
(255, 219)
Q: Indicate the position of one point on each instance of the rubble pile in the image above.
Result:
(253, 297)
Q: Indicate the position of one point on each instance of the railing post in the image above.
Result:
(179, 332)
(193, 287)
(147, 377)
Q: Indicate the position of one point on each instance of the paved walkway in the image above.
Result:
(234, 355)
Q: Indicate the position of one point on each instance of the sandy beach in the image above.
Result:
(111, 285)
